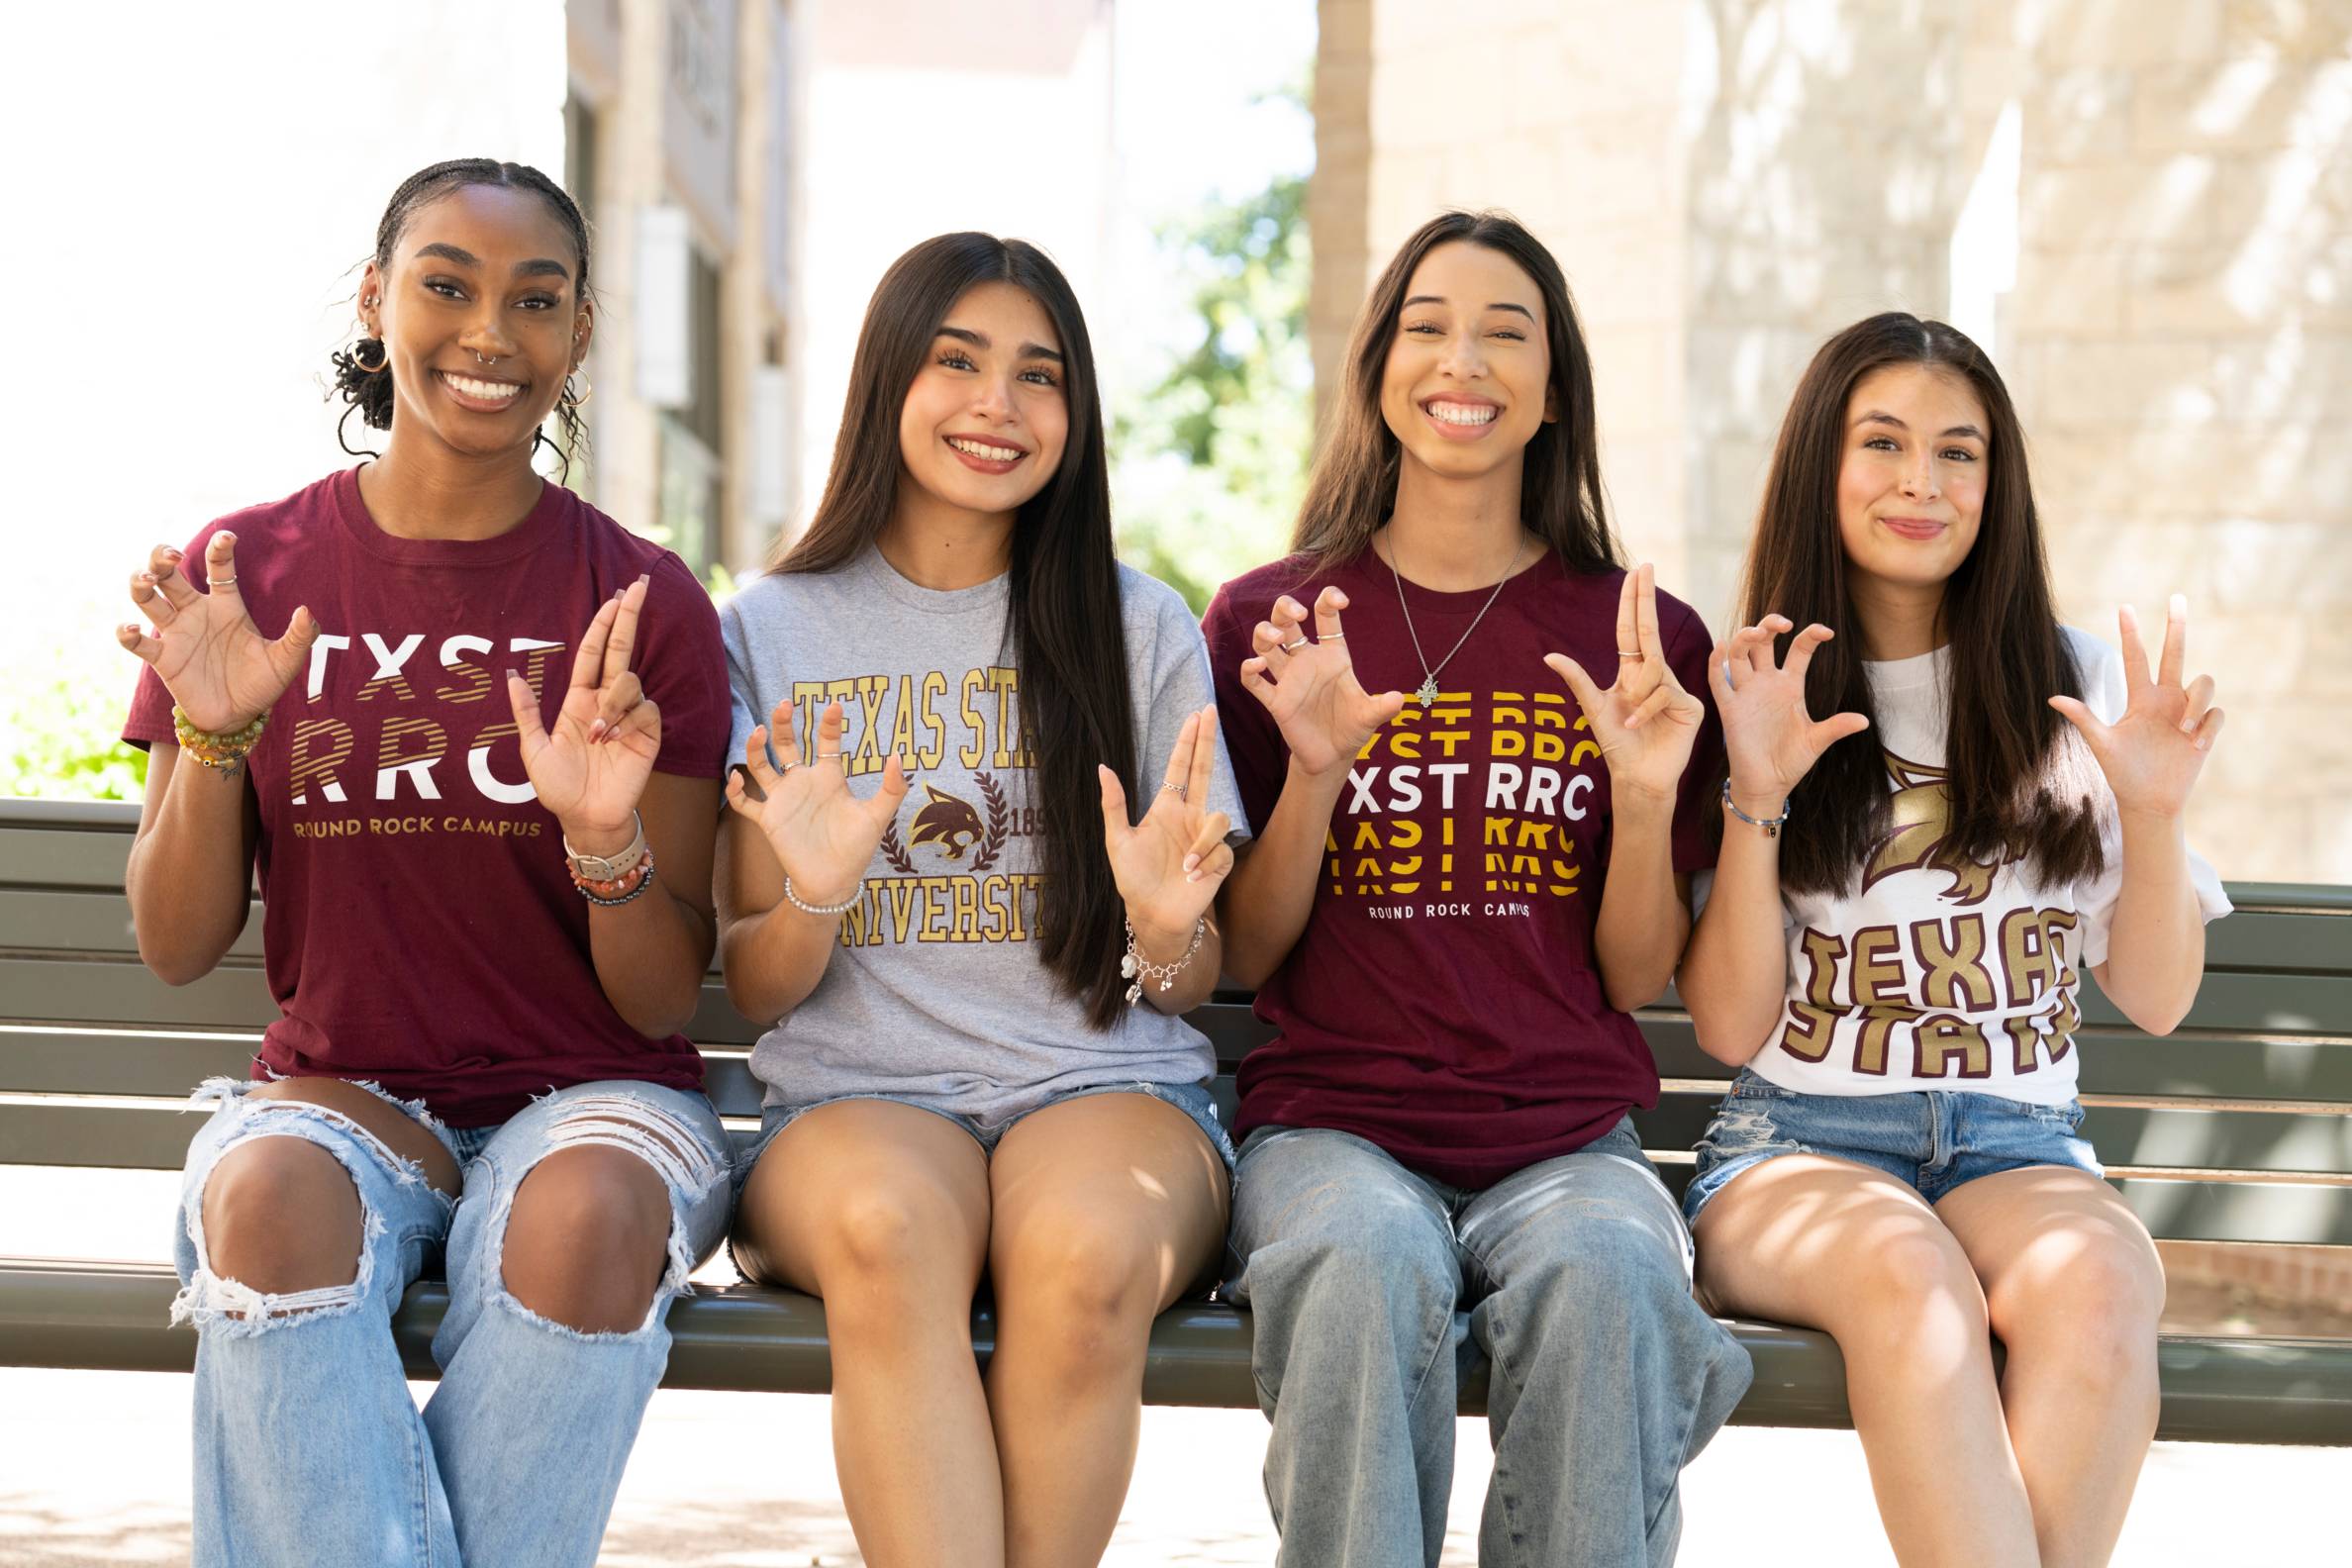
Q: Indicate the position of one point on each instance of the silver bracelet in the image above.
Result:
(1771, 825)
(1136, 972)
(842, 908)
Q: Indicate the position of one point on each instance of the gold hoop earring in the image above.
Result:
(575, 399)
(364, 368)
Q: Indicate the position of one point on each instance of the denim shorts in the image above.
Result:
(1194, 1100)
(1937, 1140)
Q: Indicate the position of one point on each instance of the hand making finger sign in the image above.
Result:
(590, 768)
(1309, 685)
(1769, 734)
(2151, 755)
(216, 663)
(1169, 865)
(1644, 722)
(823, 836)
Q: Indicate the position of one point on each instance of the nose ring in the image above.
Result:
(488, 359)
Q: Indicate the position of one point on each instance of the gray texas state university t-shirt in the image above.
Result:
(937, 994)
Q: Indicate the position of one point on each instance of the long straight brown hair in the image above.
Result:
(2021, 784)
(1353, 487)
(1062, 622)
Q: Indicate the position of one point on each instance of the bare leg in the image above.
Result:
(2075, 1289)
(1831, 1245)
(1107, 1207)
(882, 1209)
(281, 1214)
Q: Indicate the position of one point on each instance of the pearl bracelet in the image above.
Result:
(842, 908)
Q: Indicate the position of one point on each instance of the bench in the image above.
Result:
(2237, 1128)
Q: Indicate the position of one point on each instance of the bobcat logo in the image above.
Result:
(946, 822)
(1922, 814)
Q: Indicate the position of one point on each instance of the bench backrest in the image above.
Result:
(2237, 1127)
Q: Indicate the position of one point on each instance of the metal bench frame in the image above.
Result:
(2237, 1127)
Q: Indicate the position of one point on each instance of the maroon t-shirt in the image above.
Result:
(419, 926)
(1444, 1000)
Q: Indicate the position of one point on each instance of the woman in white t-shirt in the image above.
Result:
(1889, 952)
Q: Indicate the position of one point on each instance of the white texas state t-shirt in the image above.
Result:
(1934, 971)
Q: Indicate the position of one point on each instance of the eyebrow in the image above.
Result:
(536, 266)
(1028, 350)
(1881, 416)
(1440, 299)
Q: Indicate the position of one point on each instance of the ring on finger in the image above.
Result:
(1182, 790)
(224, 583)
(1334, 636)
(1635, 655)
(1293, 648)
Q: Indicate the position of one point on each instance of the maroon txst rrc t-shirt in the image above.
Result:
(419, 928)
(1443, 1001)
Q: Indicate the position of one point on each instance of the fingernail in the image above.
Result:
(645, 577)
(513, 673)
(1194, 876)
(170, 555)
(1190, 861)
(147, 577)
(596, 731)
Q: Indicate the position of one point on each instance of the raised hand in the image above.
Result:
(823, 836)
(1771, 737)
(1644, 722)
(1169, 865)
(212, 658)
(590, 768)
(1310, 686)
(2152, 754)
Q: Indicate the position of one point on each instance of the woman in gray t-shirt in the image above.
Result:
(976, 959)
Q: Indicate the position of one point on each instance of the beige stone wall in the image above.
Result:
(2182, 349)
(1726, 182)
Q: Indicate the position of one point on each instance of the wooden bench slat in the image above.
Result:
(750, 1337)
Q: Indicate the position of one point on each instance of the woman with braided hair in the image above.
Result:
(486, 918)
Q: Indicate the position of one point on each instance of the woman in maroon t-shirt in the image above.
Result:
(1453, 898)
(484, 930)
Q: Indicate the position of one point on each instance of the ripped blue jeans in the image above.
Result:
(308, 1447)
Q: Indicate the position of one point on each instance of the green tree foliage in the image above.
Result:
(1212, 462)
(59, 737)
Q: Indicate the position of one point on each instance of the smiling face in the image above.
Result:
(1911, 485)
(1468, 376)
(987, 416)
(481, 317)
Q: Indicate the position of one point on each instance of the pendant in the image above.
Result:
(1427, 692)
(1135, 994)
(1127, 966)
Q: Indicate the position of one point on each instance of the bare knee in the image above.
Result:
(281, 1215)
(2089, 1315)
(1913, 1300)
(587, 1239)
(1086, 1298)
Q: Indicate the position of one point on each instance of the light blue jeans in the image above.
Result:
(1374, 1288)
(308, 1447)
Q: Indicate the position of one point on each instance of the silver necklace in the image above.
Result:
(1427, 693)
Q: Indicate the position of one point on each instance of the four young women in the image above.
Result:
(980, 850)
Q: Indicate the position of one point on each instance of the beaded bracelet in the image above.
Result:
(224, 752)
(613, 891)
(806, 907)
(1771, 825)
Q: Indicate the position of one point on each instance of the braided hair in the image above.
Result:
(368, 389)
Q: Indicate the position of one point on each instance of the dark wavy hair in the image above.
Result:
(367, 390)
(1062, 618)
(1353, 487)
(2021, 784)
